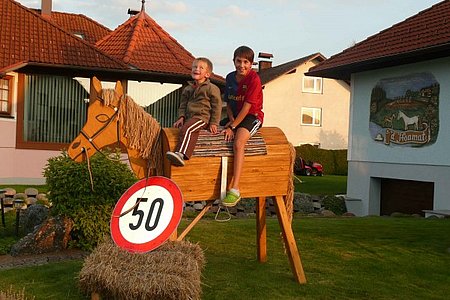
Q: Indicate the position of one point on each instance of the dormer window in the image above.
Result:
(80, 35)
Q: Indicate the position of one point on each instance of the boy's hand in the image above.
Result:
(228, 133)
(179, 123)
(213, 128)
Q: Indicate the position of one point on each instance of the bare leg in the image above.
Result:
(241, 138)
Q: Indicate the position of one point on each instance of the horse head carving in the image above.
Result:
(112, 121)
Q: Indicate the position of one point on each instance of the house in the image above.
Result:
(309, 110)
(46, 62)
(400, 115)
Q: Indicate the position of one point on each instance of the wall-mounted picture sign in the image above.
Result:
(405, 110)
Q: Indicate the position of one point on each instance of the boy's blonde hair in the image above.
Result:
(206, 61)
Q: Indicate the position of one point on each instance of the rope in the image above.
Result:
(216, 217)
(89, 168)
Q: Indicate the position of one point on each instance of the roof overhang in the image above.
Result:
(101, 73)
(343, 72)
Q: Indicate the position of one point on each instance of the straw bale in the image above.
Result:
(172, 271)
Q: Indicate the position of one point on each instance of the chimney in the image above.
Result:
(264, 62)
(46, 8)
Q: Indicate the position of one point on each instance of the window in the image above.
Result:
(79, 34)
(311, 116)
(54, 110)
(6, 86)
(312, 84)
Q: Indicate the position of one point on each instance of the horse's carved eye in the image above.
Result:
(76, 145)
(102, 118)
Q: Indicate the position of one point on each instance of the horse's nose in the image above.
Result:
(76, 144)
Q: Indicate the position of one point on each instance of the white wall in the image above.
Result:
(283, 100)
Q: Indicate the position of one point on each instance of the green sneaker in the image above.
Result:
(231, 199)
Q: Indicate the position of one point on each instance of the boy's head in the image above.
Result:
(201, 69)
(243, 60)
(244, 52)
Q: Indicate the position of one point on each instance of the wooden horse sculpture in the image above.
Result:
(114, 118)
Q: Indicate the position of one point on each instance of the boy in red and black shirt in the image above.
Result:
(244, 99)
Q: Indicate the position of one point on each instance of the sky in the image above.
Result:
(288, 29)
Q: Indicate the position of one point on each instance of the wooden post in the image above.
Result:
(261, 237)
(289, 240)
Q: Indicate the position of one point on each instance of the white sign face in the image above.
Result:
(147, 214)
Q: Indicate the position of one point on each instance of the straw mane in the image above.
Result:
(139, 127)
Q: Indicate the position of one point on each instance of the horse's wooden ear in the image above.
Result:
(119, 88)
(97, 84)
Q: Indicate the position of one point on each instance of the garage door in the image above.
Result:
(406, 196)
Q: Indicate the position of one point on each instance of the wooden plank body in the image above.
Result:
(263, 175)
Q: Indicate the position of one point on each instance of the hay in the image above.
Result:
(289, 200)
(139, 127)
(172, 271)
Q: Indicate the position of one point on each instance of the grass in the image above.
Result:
(343, 258)
(20, 188)
(7, 234)
(314, 185)
(321, 185)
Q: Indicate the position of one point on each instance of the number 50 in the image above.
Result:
(141, 214)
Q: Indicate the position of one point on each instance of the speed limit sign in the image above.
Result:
(147, 214)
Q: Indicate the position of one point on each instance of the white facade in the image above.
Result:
(370, 161)
(284, 99)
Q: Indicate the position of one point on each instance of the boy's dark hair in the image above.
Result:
(245, 52)
(207, 61)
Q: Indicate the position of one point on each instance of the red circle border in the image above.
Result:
(175, 192)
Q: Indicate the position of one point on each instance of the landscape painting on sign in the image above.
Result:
(405, 110)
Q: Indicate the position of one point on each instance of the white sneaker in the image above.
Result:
(176, 158)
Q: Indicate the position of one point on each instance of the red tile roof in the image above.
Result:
(28, 38)
(139, 49)
(423, 36)
(91, 30)
(143, 44)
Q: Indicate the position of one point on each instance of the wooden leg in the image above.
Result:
(173, 236)
(197, 218)
(261, 240)
(289, 240)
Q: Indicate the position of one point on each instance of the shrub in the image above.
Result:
(90, 207)
(335, 204)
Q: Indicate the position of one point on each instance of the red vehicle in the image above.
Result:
(310, 168)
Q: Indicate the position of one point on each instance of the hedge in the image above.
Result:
(334, 161)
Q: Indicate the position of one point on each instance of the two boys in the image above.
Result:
(244, 99)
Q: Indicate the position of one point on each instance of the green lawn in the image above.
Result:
(20, 188)
(343, 258)
(321, 185)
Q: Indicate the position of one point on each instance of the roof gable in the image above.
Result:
(423, 36)
(142, 43)
(28, 38)
(269, 74)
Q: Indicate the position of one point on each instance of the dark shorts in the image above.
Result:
(251, 123)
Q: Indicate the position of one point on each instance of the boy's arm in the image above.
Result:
(183, 103)
(216, 105)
